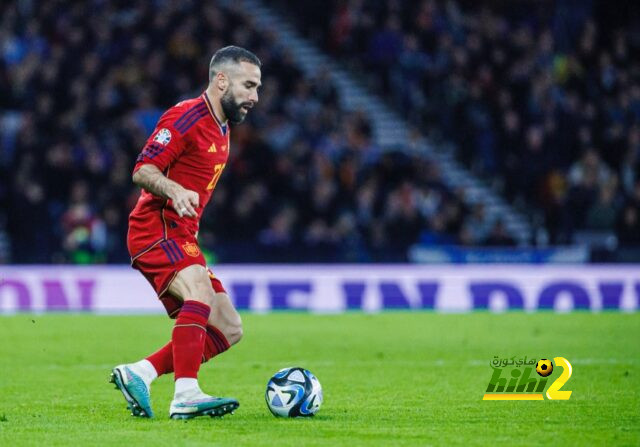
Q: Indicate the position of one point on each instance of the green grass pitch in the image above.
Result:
(389, 379)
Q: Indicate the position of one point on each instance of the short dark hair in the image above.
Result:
(231, 54)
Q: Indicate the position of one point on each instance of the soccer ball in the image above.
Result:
(293, 392)
(544, 367)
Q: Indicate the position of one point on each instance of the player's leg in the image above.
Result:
(224, 329)
(225, 325)
(134, 379)
(193, 286)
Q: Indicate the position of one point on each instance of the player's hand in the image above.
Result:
(185, 202)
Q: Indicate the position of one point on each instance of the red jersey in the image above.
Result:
(191, 147)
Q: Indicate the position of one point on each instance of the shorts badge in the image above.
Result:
(191, 249)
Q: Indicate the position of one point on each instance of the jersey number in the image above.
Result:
(217, 172)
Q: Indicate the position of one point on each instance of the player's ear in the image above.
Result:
(222, 81)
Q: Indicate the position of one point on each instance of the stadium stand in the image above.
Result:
(86, 86)
(545, 105)
(519, 96)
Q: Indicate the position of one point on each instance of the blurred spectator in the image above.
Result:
(531, 93)
(602, 214)
(543, 101)
(84, 233)
(498, 236)
(629, 226)
(83, 86)
(628, 223)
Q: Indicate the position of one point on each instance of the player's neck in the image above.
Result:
(216, 107)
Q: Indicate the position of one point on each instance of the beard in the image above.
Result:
(232, 110)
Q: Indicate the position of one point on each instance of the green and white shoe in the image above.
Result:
(134, 389)
(200, 404)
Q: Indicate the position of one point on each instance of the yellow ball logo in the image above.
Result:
(544, 367)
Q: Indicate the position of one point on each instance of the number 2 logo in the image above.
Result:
(554, 393)
(217, 172)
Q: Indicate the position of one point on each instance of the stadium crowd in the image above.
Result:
(83, 86)
(541, 98)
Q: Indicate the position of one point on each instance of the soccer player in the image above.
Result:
(177, 170)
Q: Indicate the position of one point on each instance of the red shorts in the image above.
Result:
(161, 262)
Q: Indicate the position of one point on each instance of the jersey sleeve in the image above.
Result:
(165, 144)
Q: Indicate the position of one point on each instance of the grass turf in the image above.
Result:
(389, 379)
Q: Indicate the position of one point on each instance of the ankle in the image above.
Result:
(186, 385)
(146, 370)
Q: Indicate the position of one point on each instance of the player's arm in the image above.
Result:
(184, 201)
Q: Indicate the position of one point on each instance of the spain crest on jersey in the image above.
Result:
(163, 136)
(191, 249)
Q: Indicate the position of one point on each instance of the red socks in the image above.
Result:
(214, 343)
(162, 359)
(188, 338)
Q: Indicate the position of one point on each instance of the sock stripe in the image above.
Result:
(195, 305)
(215, 340)
(187, 341)
(197, 312)
(216, 334)
(215, 343)
(189, 325)
(197, 308)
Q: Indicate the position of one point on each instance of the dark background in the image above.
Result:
(541, 100)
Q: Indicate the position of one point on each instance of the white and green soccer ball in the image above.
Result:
(294, 392)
